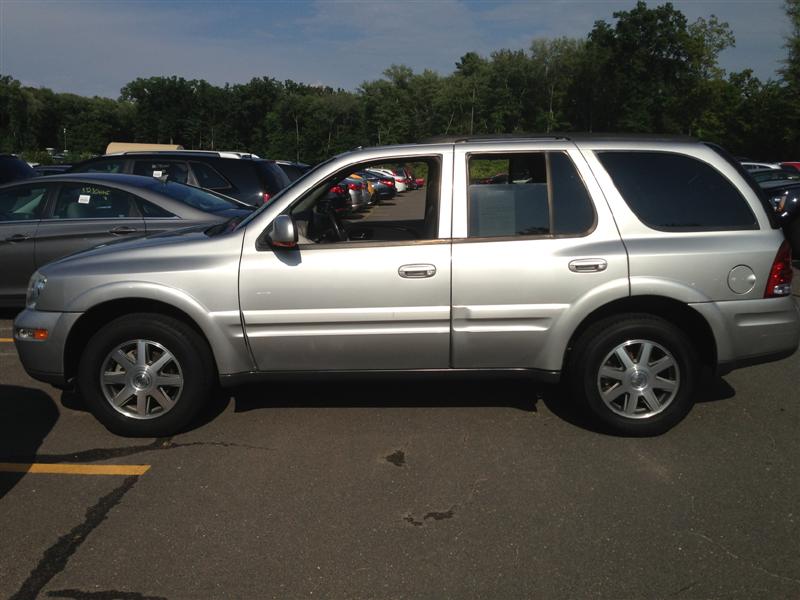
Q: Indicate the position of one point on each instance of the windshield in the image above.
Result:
(192, 196)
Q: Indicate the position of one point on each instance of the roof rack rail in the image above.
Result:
(223, 154)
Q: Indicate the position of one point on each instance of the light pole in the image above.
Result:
(65, 140)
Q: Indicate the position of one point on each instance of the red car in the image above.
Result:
(791, 165)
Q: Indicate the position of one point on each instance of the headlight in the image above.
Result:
(35, 288)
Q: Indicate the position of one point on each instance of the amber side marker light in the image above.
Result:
(25, 333)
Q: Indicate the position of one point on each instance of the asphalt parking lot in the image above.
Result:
(397, 489)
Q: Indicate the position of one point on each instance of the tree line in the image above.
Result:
(650, 71)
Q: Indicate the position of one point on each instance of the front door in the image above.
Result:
(84, 215)
(362, 291)
(20, 211)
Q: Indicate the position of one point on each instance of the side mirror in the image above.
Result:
(284, 232)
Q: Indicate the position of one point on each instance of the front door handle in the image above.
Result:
(416, 271)
(122, 230)
(588, 265)
(18, 237)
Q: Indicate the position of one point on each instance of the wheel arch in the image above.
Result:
(678, 313)
(100, 314)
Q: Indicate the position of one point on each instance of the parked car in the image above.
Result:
(784, 197)
(782, 174)
(359, 195)
(399, 180)
(13, 168)
(383, 187)
(792, 165)
(45, 218)
(293, 170)
(753, 166)
(622, 266)
(246, 177)
(42, 170)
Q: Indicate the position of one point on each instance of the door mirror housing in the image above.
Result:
(284, 232)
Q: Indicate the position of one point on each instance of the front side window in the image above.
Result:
(670, 191)
(357, 206)
(524, 194)
(23, 203)
(92, 201)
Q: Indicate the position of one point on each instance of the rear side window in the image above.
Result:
(669, 191)
(158, 168)
(532, 193)
(91, 201)
(22, 203)
(208, 177)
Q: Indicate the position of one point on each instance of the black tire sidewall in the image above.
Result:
(602, 339)
(190, 350)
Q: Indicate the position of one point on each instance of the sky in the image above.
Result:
(94, 47)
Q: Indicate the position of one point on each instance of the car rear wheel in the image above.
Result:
(146, 375)
(635, 374)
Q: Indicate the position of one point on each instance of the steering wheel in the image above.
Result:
(331, 230)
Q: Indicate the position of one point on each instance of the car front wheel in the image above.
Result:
(146, 375)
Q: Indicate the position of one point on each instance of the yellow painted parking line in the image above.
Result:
(73, 469)
(6, 340)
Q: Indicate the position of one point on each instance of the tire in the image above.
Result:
(627, 393)
(156, 396)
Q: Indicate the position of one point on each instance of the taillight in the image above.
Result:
(337, 189)
(354, 186)
(265, 197)
(387, 182)
(780, 275)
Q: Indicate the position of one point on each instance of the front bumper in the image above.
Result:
(44, 359)
(749, 332)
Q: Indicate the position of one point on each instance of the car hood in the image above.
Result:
(178, 260)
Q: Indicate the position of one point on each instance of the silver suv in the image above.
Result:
(620, 266)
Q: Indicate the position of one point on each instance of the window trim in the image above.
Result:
(263, 245)
(551, 217)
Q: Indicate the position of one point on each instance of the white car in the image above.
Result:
(399, 180)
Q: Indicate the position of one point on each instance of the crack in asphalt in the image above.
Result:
(102, 595)
(55, 558)
(735, 556)
(97, 454)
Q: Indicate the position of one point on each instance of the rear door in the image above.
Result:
(20, 212)
(530, 246)
(84, 215)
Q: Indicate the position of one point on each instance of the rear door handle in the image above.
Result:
(19, 237)
(122, 230)
(416, 271)
(588, 265)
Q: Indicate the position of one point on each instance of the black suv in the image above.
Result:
(13, 168)
(245, 177)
